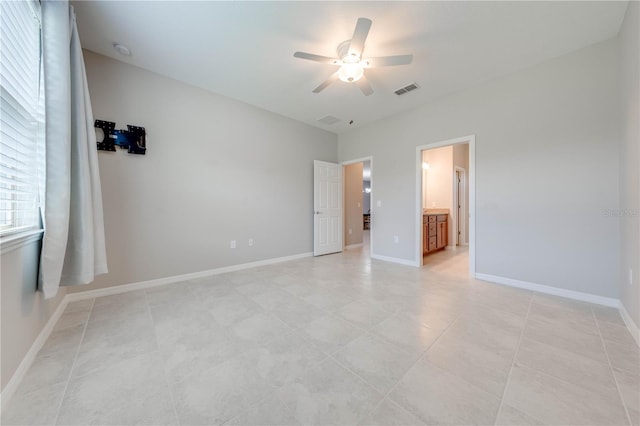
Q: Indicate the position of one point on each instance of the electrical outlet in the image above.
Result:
(396, 239)
(379, 203)
(350, 231)
(358, 204)
(433, 204)
(250, 242)
(232, 244)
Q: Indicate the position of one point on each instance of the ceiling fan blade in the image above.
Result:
(359, 37)
(365, 86)
(387, 61)
(317, 58)
(325, 83)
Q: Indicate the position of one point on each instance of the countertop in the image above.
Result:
(435, 211)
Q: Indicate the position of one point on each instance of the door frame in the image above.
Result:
(463, 204)
(371, 206)
(471, 140)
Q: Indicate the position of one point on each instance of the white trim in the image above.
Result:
(31, 355)
(471, 140)
(28, 359)
(123, 288)
(394, 260)
(541, 288)
(357, 160)
(631, 326)
(15, 241)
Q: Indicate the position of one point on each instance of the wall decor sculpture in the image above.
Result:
(134, 139)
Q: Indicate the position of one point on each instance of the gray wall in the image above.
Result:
(547, 142)
(629, 164)
(24, 311)
(547, 167)
(215, 170)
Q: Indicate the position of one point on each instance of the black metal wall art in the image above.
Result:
(134, 139)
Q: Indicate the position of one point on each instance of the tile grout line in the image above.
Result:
(297, 330)
(615, 380)
(366, 331)
(363, 380)
(248, 408)
(164, 375)
(513, 361)
(244, 352)
(277, 388)
(418, 359)
(75, 359)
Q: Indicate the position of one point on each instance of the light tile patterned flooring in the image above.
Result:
(339, 339)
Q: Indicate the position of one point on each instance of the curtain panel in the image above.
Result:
(73, 246)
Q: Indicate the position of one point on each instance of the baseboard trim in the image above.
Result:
(31, 355)
(394, 260)
(631, 326)
(555, 291)
(141, 285)
(28, 359)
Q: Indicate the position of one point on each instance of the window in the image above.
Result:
(21, 116)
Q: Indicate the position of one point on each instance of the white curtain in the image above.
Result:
(73, 247)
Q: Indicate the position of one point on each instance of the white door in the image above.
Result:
(327, 208)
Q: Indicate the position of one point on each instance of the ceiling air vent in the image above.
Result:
(406, 89)
(329, 120)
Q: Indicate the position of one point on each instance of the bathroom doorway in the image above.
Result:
(445, 197)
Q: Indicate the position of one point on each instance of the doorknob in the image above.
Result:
(317, 212)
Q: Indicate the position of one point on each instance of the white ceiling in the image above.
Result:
(244, 50)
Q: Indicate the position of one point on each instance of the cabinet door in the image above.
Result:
(433, 243)
(442, 234)
(425, 238)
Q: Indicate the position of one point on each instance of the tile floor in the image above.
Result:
(339, 339)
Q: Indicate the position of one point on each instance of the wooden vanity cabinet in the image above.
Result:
(434, 232)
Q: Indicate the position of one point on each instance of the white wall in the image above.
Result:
(366, 197)
(438, 178)
(24, 311)
(630, 163)
(547, 141)
(215, 170)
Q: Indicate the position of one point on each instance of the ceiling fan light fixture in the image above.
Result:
(350, 62)
(350, 72)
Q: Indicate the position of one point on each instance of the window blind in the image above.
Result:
(21, 116)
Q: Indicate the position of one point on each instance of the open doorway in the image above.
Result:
(445, 197)
(357, 204)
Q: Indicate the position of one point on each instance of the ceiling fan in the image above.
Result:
(351, 62)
